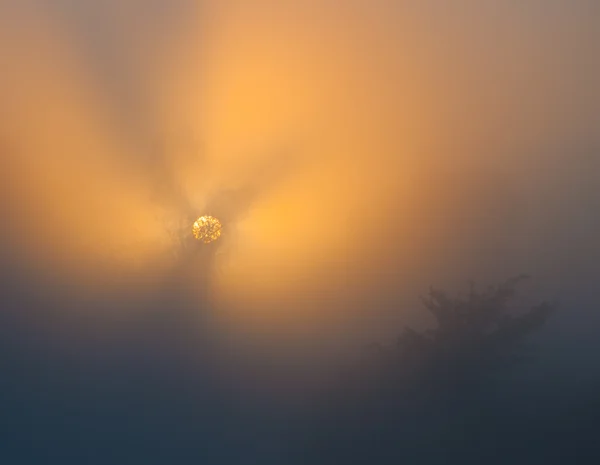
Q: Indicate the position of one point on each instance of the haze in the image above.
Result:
(355, 154)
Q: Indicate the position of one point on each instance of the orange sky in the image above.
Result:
(417, 146)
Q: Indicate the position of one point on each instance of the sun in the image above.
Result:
(207, 229)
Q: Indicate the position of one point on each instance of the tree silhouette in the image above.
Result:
(407, 400)
(473, 336)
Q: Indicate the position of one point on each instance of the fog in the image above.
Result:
(357, 154)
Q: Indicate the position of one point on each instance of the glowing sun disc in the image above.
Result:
(207, 229)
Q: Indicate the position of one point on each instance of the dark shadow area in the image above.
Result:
(447, 395)
(154, 392)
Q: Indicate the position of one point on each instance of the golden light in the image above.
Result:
(207, 229)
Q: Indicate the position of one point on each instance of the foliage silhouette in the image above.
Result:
(406, 399)
(473, 336)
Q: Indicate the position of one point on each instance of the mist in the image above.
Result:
(355, 154)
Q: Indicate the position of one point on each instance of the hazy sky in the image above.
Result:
(359, 154)
(356, 152)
